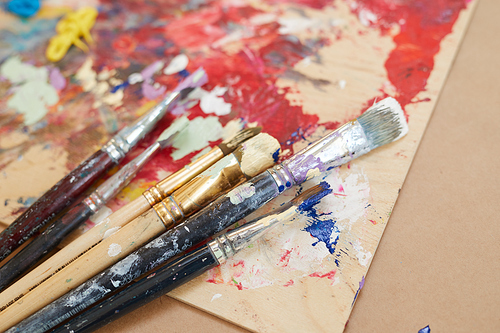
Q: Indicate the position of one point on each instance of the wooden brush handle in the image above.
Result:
(210, 220)
(60, 196)
(165, 279)
(43, 244)
(70, 252)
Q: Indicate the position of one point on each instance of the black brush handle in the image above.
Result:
(157, 284)
(212, 219)
(60, 196)
(43, 244)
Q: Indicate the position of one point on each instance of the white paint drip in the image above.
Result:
(177, 126)
(177, 64)
(240, 193)
(114, 249)
(363, 256)
(213, 102)
(79, 295)
(216, 296)
(135, 78)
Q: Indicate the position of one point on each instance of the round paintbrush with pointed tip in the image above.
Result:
(249, 159)
(124, 215)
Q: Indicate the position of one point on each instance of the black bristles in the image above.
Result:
(184, 92)
(230, 145)
(383, 123)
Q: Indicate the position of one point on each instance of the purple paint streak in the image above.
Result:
(299, 165)
(151, 92)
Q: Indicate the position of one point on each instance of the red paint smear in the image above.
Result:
(373, 222)
(239, 263)
(424, 24)
(329, 275)
(288, 284)
(285, 258)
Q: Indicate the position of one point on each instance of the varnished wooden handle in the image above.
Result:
(60, 196)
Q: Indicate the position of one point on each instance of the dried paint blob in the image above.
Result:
(114, 249)
(32, 94)
(213, 102)
(177, 64)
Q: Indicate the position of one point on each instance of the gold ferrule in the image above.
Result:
(168, 185)
(200, 191)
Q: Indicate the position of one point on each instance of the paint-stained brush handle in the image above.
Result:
(139, 294)
(60, 196)
(43, 244)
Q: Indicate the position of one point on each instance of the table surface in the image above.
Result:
(439, 257)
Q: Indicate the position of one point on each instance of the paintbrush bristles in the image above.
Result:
(256, 153)
(229, 145)
(383, 123)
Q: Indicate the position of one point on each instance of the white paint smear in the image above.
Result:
(216, 296)
(109, 232)
(286, 253)
(240, 193)
(114, 249)
(177, 64)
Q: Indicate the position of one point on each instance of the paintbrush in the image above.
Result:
(68, 189)
(121, 217)
(55, 233)
(192, 264)
(249, 159)
(381, 124)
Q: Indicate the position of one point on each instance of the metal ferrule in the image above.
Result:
(225, 246)
(128, 137)
(168, 185)
(283, 178)
(339, 147)
(200, 191)
(114, 184)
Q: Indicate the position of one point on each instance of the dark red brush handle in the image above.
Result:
(60, 196)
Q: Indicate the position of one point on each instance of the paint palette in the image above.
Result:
(297, 68)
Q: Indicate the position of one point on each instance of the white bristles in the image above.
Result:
(384, 122)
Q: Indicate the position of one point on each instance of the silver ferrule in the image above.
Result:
(225, 246)
(283, 178)
(128, 137)
(114, 184)
(94, 201)
(339, 147)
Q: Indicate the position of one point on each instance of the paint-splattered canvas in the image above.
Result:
(298, 68)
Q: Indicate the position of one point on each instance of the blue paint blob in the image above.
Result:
(426, 329)
(276, 156)
(281, 188)
(120, 86)
(24, 8)
(310, 202)
(324, 230)
(288, 184)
